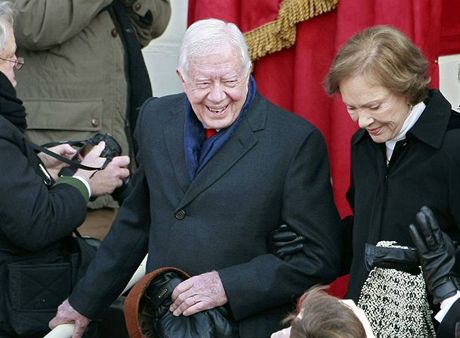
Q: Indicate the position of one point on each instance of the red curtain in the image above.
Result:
(292, 78)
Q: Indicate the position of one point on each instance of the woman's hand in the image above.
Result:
(53, 165)
(103, 181)
(436, 253)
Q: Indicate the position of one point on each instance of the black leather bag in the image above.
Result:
(39, 284)
(154, 320)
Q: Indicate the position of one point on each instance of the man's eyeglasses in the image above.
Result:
(18, 63)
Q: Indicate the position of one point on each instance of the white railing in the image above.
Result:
(66, 330)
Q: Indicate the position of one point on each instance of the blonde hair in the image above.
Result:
(384, 56)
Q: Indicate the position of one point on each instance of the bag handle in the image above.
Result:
(132, 301)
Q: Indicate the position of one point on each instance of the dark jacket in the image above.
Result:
(424, 170)
(274, 169)
(451, 322)
(33, 216)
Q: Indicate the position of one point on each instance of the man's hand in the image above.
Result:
(66, 314)
(197, 294)
(285, 242)
(436, 253)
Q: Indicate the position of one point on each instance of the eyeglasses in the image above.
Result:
(18, 63)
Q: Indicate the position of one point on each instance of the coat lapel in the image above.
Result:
(233, 150)
(173, 132)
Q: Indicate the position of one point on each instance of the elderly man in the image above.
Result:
(220, 168)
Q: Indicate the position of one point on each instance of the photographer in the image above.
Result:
(86, 74)
(38, 210)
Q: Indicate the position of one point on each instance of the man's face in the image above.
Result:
(9, 53)
(216, 86)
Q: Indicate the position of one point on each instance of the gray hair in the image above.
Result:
(202, 37)
(6, 21)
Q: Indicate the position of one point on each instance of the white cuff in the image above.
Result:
(85, 183)
(446, 304)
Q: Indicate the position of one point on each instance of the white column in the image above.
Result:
(162, 54)
(449, 79)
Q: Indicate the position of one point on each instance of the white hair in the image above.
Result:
(6, 22)
(202, 37)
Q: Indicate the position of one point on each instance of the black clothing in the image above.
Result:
(33, 216)
(11, 107)
(451, 322)
(424, 170)
(273, 169)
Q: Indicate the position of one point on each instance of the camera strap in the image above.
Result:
(72, 163)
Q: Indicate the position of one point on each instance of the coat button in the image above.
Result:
(180, 214)
(114, 32)
(95, 122)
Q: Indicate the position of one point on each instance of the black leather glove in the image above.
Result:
(436, 253)
(285, 242)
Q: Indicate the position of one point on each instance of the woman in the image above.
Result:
(405, 154)
(37, 208)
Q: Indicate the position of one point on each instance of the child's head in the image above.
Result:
(324, 316)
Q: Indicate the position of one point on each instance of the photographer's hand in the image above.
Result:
(111, 177)
(106, 180)
(54, 165)
(92, 159)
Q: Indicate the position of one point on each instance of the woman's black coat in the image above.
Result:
(424, 170)
(34, 216)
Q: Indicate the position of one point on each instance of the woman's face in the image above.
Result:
(374, 107)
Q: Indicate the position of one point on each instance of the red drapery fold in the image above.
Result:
(292, 78)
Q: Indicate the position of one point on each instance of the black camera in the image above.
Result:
(111, 150)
